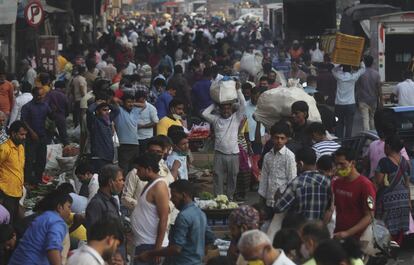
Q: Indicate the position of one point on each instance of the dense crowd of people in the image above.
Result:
(134, 97)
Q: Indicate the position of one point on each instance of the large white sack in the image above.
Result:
(276, 103)
(251, 63)
(223, 91)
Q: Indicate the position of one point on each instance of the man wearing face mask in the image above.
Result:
(190, 234)
(12, 160)
(309, 193)
(104, 237)
(313, 233)
(104, 203)
(256, 248)
(174, 117)
(354, 196)
(226, 129)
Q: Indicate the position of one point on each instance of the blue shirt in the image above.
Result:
(102, 145)
(201, 95)
(127, 126)
(191, 233)
(147, 115)
(162, 104)
(45, 233)
(34, 114)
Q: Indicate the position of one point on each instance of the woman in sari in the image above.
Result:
(393, 196)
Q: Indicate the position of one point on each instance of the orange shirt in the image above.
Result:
(6, 97)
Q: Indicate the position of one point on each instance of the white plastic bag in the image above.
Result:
(251, 63)
(276, 103)
(53, 151)
(223, 91)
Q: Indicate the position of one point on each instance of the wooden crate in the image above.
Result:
(348, 49)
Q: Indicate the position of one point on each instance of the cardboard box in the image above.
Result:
(348, 49)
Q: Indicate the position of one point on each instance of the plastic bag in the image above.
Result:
(275, 104)
(53, 151)
(223, 91)
(375, 239)
(251, 63)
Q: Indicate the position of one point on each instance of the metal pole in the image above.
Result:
(13, 48)
(94, 21)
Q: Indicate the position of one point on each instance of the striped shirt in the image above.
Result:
(327, 147)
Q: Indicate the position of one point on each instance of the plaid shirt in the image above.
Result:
(3, 135)
(309, 194)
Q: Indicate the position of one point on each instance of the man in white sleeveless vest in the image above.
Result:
(150, 218)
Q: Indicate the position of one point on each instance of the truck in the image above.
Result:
(392, 39)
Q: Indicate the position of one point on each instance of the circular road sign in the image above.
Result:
(34, 13)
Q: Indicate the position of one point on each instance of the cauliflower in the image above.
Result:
(232, 205)
(222, 199)
(212, 205)
(223, 206)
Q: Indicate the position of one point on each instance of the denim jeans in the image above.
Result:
(345, 114)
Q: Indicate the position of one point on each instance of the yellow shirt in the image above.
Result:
(80, 232)
(11, 169)
(165, 123)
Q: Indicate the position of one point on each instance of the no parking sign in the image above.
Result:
(34, 13)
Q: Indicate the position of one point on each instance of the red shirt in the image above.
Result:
(6, 97)
(351, 201)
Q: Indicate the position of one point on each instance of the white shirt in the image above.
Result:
(250, 109)
(17, 107)
(282, 259)
(405, 93)
(226, 130)
(278, 169)
(147, 115)
(102, 64)
(85, 255)
(133, 37)
(345, 93)
(134, 186)
(93, 187)
(130, 69)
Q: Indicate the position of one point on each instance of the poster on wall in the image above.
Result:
(47, 52)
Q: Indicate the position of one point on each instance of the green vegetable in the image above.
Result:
(206, 196)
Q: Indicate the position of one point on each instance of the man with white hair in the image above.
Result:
(256, 248)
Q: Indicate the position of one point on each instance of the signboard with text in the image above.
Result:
(47, 52)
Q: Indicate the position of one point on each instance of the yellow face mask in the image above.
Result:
(255, 262)
(344, 172)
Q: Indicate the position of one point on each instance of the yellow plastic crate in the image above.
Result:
(348, 49)
(349, 42)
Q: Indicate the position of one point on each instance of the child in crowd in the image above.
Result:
(279, 166)
(177, 160)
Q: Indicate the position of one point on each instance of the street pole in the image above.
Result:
(94, 21)
(13, 48)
